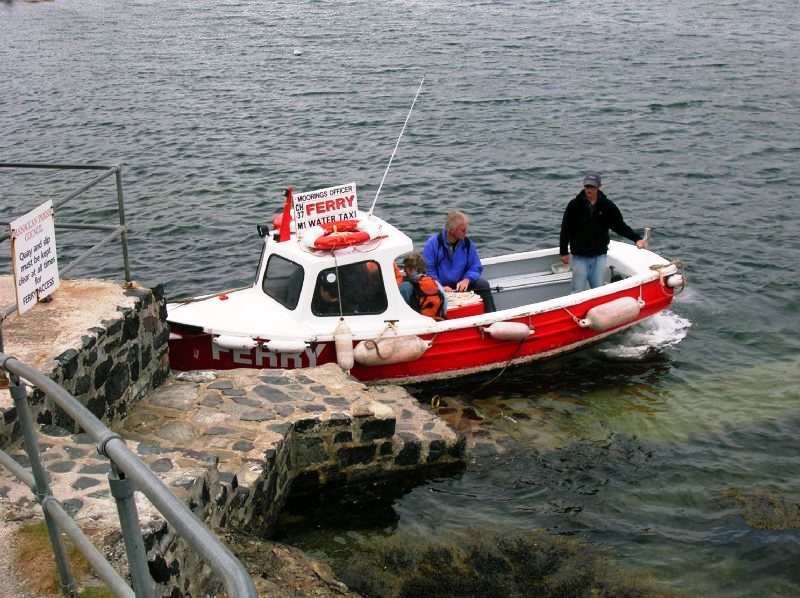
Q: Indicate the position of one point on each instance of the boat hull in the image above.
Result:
(455, 352)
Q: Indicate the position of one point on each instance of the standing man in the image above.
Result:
(453, 260)
(584, 232)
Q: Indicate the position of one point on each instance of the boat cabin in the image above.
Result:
(355, 280)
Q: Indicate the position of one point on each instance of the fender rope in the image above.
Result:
(662, 279)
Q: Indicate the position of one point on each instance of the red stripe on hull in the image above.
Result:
(453, 353)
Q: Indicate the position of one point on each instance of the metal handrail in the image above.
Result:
(120, 229)
(127, 468)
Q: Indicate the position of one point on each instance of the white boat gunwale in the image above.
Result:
(415, 324)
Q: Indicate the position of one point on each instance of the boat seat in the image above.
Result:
(528, 279)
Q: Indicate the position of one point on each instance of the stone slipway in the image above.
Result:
(233, 445)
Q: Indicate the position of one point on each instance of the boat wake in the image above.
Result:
(655, 333)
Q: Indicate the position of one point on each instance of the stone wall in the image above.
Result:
(315, 430)
(320, 453)
(118, 362)
(315, 455)
(109, 368)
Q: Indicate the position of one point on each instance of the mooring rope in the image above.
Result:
(505, 367)
(573, 316)
(662, 279)
(373, 343)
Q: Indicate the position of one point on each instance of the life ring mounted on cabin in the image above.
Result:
(344, 233)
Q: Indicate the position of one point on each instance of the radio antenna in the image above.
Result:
(385, 172)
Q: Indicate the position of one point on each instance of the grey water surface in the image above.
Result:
(690, 111)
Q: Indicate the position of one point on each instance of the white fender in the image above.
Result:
(343, 341)
(508, 331)
(395, 349)
(228, 341)
(611, 314)
(285, 346)
(674, 281)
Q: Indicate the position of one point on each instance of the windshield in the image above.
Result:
(360, 287)
(283, 281)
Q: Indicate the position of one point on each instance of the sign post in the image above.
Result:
(33, 250)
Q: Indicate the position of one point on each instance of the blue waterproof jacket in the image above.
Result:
(449, 266)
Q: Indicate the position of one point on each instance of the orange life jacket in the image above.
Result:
(398, 276)
(427, 299)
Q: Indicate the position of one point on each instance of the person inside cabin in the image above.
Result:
(350, 290)
(369, 282)
(453, 260)
(584, 234)
(422, 292)
(326, 297)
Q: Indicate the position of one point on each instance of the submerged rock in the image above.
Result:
(282, 571)
(492, 563)
(763, 508)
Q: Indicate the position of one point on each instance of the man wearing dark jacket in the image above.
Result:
(584, 233)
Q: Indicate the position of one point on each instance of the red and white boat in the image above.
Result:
(281, 322)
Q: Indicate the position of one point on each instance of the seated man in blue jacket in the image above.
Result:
(453, 260)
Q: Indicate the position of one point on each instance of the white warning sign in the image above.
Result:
(33, 250)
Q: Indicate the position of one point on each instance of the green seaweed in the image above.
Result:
(492, 564)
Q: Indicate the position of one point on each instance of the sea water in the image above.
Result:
(691, 113)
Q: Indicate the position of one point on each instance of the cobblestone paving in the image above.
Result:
(198, 421)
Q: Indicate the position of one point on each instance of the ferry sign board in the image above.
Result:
(33, 251)
(324, 205)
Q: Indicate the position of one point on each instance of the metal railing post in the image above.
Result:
(4, 382)
(20, 398)
(123, 235)
(122, 491)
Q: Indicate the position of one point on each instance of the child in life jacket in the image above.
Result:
(422, 292)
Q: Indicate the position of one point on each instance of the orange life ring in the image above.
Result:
(343, 233)
(342, 226)
(335, 240)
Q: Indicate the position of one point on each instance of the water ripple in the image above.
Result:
(689, 111)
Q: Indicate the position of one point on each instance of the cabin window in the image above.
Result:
(283, 281)
(360, 287)
(260, 261)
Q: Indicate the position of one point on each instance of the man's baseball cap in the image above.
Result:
(591, 178)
